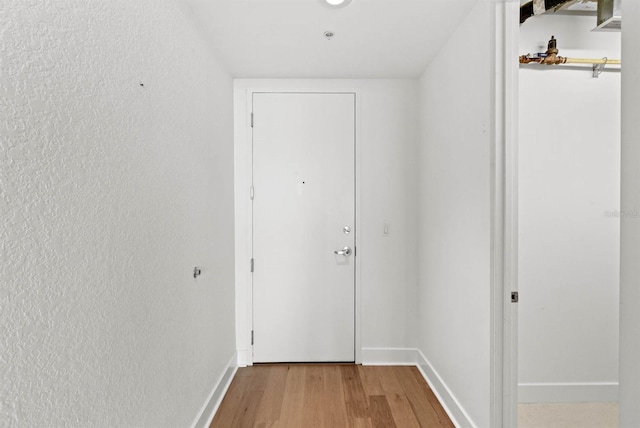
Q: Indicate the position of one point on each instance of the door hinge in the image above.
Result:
(515, 297)
(253, 265)
(252, 119)
(252, 337)
(252, 192)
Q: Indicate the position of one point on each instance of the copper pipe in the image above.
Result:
(552, 58)
(547, 60)
(592, 61)
(555, 60)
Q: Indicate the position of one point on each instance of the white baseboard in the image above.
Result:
(388, 357)
(210, 407)
(450, 403)
(603, 392)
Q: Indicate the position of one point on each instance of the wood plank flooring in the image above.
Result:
(331, 396)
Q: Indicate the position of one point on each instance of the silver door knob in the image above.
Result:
(346, 251)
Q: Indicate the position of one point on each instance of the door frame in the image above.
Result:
(504, 216)
(243, 176)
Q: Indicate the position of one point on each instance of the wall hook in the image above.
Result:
(197, 272)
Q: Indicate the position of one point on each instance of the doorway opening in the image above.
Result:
(569, 226)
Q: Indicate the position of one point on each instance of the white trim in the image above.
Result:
(450, 403)
(504, 227)
(210, 407)
(358, 235)
(242, 183)
(498, 287)
(511, 126)
(581, 392)
(243, 96)
(389, 356)
(244, 357)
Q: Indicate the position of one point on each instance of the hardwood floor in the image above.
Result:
(329, 395)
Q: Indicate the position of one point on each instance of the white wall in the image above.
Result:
(569, 227)
(111, 192)
(387, 126)
(455, 219)
(630, 232)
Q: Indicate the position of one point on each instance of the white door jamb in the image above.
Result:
(504, 268)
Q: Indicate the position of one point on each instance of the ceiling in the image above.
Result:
(284, 38)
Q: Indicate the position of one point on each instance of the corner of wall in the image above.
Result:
(450, 403)
(217, 394)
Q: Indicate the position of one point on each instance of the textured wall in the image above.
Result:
(110, 193)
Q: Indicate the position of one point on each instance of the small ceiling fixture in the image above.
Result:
(329, 34)
(337, 3)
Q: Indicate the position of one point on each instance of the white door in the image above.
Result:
(303, 215)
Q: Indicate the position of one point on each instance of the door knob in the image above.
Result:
(346, 251)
